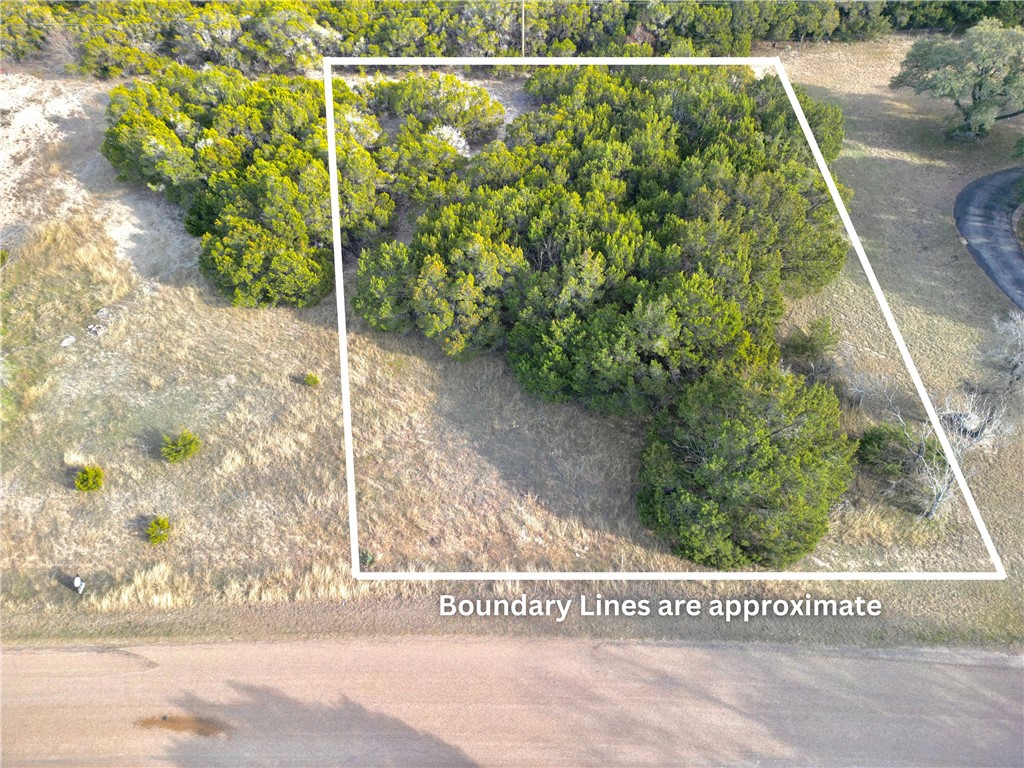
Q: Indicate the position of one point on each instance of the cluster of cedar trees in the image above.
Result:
(628, 245)
(247, 159)
(285, 36)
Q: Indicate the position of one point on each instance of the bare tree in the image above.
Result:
(910, 454)
(62, 47)
(970, 420)
(1008, 352)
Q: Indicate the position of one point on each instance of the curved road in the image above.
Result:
(983, 212)
(508, 702)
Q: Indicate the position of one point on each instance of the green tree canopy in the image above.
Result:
(258, 265)
(131, 37)
(660, 217)
(437, 99)
(743, 472)
(982, 74)
(247, 159)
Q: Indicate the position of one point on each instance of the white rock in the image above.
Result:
(453, 136)
(68, 341)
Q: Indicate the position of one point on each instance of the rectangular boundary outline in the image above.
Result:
(774, 64)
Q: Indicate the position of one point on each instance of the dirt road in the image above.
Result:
(983, 213)
(424, 702)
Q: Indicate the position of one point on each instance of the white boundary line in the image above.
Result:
(346, 400)
(775, 64)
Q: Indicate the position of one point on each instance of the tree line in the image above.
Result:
(132, 37)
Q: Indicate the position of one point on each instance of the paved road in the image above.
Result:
(507, 702)
(983, 213)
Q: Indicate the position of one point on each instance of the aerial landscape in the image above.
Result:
(598, 319)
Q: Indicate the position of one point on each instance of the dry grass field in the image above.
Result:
(257, 514)
(456, 468)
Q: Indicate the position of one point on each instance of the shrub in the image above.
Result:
(179, 448)
(366, 558)
(743, 473)
(819, 340)
(885, 445)
(312, 380)
(440, 100)
(159, 530)
(885, 450)
(89, 478)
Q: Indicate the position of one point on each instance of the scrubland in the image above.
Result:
(456, 468)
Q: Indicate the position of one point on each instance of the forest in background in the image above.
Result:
(112, 39)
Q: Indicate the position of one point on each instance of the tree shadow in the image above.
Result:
(138, 527)
(68, 474)
(890, 119)
(493, 450)
(749, 705)
(151, 440)
(63, 578)
(263, 726)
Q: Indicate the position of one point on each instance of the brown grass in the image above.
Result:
(906, 176)
(457, 469)
(59, 276)
(258, 515)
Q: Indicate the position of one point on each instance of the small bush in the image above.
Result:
(820, 339)
(89, 478)
(885, 450)
(312, 380)
(180, 448)
(159, 530)
(366, 558)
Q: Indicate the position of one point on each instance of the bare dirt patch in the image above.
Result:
(190, 724)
